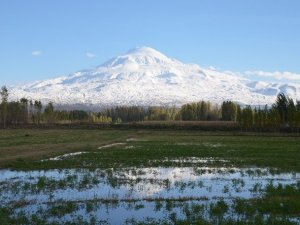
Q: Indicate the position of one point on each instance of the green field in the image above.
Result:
(24, 148)
(175, 177)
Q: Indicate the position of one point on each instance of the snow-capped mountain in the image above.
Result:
(145, 77)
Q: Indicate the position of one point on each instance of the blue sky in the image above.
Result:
(45, 39)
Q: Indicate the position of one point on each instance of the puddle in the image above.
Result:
(129, 147)
(193, 160)
(206, 144)
(132, 139)
(133, 194)
(110, 145)
(213, 145)
(132, 183)
(61, 157)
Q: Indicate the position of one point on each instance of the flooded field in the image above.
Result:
(150, 179)
(131, 195)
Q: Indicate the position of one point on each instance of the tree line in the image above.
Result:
(283, 113)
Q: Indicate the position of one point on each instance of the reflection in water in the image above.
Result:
(136, 193)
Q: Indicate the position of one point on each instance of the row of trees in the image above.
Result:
(137, 113)
(20, 111)
(206, 111)
(198, 111)
(202, 111)
(284, 112)
(27, 111)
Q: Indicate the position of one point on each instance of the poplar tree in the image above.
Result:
(4, 98)
(38, 107)
(229, 111)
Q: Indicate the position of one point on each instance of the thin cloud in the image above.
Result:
(36, 53)
(275, 75)
(90, 55)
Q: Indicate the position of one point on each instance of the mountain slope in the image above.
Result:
(146, 77)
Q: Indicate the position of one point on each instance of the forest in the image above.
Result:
(284, 112)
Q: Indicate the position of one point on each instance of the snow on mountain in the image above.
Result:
(146, 77)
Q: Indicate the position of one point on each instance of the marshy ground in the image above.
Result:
(148, 177)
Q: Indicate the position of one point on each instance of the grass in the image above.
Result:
(19, 146)
(23, 149)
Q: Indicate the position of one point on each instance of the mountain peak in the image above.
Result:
(144, 50)
(144, 76)
(141, 56)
